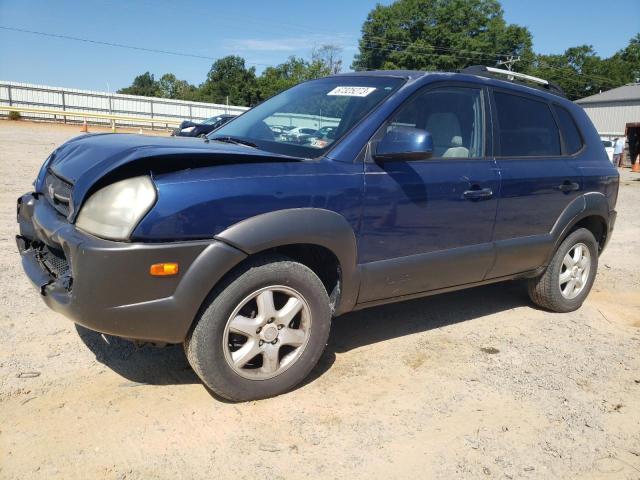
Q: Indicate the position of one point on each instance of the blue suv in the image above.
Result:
(244, 245)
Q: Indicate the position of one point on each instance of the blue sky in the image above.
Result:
(262, 32)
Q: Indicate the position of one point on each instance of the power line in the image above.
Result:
(120, 45)
(566, 69)
(421, 51)
(378, 39)
(395, 43)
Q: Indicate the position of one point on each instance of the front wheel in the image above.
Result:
(568, 279)
(262, 331)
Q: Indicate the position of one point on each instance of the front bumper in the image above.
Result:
(106, 286)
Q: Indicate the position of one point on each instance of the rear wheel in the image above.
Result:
(568, 279)
(262, 331)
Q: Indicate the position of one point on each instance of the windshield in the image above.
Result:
(211, 121)
(307, 119)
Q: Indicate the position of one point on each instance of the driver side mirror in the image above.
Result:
(404, 143)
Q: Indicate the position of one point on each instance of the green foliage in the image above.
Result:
(144, 85)
(167, 87)
(170, 87)
(13, 115)
(295, 70)
(451, 34)
(439, 35)
(230, 79)
(445, 35)
(581, 72)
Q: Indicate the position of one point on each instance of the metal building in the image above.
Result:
(615, 111)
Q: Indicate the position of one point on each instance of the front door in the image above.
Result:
(428, 224)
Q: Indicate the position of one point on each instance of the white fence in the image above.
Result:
(64, 99)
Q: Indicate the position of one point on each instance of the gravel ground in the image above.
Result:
(472, 384)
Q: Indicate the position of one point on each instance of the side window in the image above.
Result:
(454, 118)
(570, 133)
(526, 127)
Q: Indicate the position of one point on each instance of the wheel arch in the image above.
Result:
(590, 211)
(312, 236)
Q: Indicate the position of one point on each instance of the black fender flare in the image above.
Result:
(588, 205)
(313, 226)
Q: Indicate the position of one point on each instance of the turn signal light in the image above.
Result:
(163, 269)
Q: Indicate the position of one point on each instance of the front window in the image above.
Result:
(452, 115)
(307, 119)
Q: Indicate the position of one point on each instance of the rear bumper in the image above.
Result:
(106, 286)
(610, 226)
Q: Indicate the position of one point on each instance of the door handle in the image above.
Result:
(568, 186)
(478, 194)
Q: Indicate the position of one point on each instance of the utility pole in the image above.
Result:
(508, 63)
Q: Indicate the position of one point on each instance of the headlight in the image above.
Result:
(114, 211)
(188, 129)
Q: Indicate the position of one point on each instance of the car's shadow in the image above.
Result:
(169, 366)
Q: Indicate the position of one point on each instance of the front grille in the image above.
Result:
(54, 261)
(58, 193)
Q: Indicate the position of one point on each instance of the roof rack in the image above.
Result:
(491, 72)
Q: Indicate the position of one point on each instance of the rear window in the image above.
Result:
(526, 127)
(570, 133)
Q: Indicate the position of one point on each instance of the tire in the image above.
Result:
(214, 347)
(554, 293)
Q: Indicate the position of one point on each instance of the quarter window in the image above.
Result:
(526, 127)
(570, 133)
(453, 116)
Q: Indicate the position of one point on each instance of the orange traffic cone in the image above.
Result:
(636, 165)
(84, 128)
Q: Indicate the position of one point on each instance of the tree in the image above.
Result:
(412, 34)
(440, 35)
(276, 79)
(626, 63)
(170, 87)
(329, 57)
(229, 80)
(295, 70)
(581, 72)
(144, 85)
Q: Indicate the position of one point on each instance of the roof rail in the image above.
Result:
(491, 72)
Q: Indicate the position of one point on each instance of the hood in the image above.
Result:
(85, 160)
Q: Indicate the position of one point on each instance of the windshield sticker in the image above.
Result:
(351, 91)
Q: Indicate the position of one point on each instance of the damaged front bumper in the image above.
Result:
(106, 286)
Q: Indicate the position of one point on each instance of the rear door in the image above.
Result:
(428, 224)
(537, 181)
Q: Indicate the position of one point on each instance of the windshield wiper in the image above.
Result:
(235, 141)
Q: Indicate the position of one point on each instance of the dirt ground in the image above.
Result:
(473, 384)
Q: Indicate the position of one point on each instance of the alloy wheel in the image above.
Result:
(574, 273)
(267, 332)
